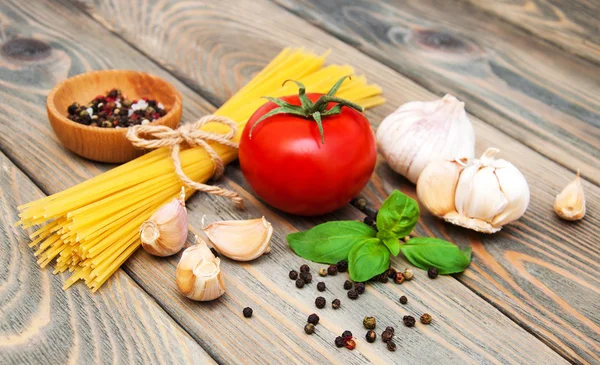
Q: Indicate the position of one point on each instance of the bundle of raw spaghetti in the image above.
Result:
(92, 228)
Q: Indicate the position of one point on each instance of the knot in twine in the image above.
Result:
(163, 136)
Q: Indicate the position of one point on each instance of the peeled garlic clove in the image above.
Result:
(199, 274)
(241, 240)
(570, 203)
(420, 132)
(437, 185)
(165, 233)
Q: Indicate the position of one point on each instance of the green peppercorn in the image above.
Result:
(409, 321)
(106, 124)
(335, 304)
(313, 318)
(369, 323)
(426, 318)
(299, 283)
(391, 345)
(247, 312)
(408, 274)
(432, 272)
(371, 336)
(321, 286)
(403, 299)
(309, 329)
(347, 285)
(320, 302)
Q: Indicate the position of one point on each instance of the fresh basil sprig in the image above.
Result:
(368, 251)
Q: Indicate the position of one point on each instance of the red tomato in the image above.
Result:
(289, 168)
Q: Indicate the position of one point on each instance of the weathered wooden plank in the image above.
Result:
(530, 90)
(274, 334)
(571, 25)
(41, 324)
(539, 235)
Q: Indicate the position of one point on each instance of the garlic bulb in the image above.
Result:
(570, 203)
(419, 132)
(164, 234)
(199, 274)
(482, 195)
(242, 240)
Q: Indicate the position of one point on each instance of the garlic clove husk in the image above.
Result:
(199, 274)
(570, 203)
(437, 185)
(165, 233)
(420, 132)
(241, 240)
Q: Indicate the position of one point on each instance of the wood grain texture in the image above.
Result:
(274, 334)
(530, 90)
(572, 25)
(42, 324)
(529, 289)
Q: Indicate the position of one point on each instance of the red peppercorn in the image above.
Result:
(350, 343)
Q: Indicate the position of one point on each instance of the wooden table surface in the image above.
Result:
(529, 72)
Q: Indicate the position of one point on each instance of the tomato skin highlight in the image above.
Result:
(289, 168)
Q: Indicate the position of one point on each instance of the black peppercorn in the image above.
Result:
(304, 268)
(386, 336)
(321, 286)
(368, 221)
(426, 318)
(313, 318)
(391, 345)
(332, 270)
(403, 299)
(409, 321)
(306, 276)
(299, 283)
(320, 302)
(339, 341)
(391, 329)
(391, 273)
(352, 294)
(382, 278)
(347, 285)
(360, 288)
(342, 266)
(247, 312)
(432, 272)
(371, 212)
(335, 304)
(72, 109)
(309, 329)
(371, 336)
(346, 334)
(293, 275)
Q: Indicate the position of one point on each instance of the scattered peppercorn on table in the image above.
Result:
(530, 295)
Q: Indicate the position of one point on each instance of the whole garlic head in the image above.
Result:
(419, 132)
(165, 233)
(482, 194)
(241, 240)
(199, 274)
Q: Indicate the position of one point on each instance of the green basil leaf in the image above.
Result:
(426, 252)
(390, 240)
(329, 242)
(398, 214)
(367, 259)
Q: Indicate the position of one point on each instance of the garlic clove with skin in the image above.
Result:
(480, 194)
(199, 274)
(570, 203)
(241, 240)
(165, 233)
(420, 132)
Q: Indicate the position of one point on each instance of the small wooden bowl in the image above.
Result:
(107, 144)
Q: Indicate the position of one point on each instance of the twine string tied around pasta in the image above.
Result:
(156, 136)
